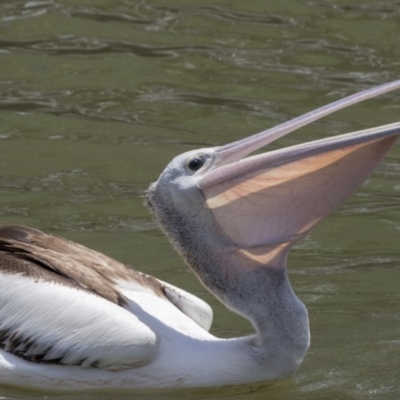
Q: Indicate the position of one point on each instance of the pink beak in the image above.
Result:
(267, 202)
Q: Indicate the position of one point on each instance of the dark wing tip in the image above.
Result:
(18, 233)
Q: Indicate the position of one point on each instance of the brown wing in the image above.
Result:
(49, 258)
(59, 304)
(68, 262)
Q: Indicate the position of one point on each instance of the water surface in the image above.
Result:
(97, 96)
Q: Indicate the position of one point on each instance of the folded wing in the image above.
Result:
(44, 318)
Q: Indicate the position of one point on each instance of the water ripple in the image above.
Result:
(222, 13)
(14, 10)
(107, 104)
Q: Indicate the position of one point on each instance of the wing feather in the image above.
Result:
(46, 320)
(81, 266)
(73, 309)
(196, 309)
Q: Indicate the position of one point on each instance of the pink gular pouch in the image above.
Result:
(267, 202)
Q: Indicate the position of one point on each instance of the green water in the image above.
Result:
(97, 96)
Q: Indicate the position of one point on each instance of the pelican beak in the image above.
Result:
(267, 202)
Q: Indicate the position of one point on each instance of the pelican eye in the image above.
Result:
(196, 162)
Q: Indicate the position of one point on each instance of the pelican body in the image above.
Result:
(74, 319)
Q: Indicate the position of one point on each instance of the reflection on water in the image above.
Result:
(96, 98)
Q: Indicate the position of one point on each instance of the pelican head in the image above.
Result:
(234, 217)
(269, 200)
